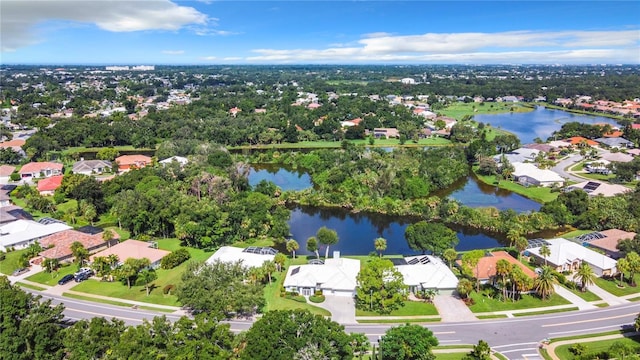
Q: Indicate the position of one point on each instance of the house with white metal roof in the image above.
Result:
(567, 255)
(336, 276)
(20, 234)
(252, 256)
(529, 174)
(426, 272)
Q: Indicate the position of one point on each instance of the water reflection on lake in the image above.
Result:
(541, 122)
(357, 232)
(283, 178)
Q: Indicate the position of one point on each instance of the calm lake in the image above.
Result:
(357, 231)
(541, 122)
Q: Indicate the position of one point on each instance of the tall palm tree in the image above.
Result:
(521, 245)
(380, 245)
(544, 282)
(450, 255)
(292, 246)
(585, 275)
(503, 268)
(623, 267)
(545, 251)
(312, 245)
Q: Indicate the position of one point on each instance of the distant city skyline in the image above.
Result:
(201, 32)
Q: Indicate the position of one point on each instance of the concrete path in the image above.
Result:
(342, 309)
(452, 309)
(581, 303)
(608, 297)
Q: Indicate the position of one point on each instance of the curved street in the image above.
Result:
(516, 338)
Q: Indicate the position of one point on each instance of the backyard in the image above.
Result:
(538, 193)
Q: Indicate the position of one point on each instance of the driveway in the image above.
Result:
(452, 309)
(342, 308)
(565, 163)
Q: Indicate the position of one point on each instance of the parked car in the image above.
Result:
(65, 279)
(20, 271)
(82, 274)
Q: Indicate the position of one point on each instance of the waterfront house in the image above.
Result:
(335, 276)
(567, 255)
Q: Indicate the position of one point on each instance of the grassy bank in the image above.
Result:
(458, 110)
(540, 194)
(582, 112)
(597, 346)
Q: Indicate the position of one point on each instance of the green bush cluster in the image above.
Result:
(168, 289)
(175, 258)
(295, 297)
(316, 298)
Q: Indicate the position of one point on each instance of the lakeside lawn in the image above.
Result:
(410, 308)
(272, 292)
(458, 110)
(611, 286)
(52, 278)
(11, 262)
(574, 233)
(597, 346)
(433, 141)
(484, 304)
(117, 289)
(540, 194)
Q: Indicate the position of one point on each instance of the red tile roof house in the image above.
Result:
(59, 244)
(40, 169)
(134, 249)
(128, 162)
(48, 186)
(486, 268)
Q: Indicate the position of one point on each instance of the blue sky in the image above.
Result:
(322, 32)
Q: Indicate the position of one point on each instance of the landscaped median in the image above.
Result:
(596, 344)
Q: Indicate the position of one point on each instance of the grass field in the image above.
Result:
(574, 233)
(562, 351)
(586, 296)
(110, 302)
(485, 304)
(458, 110)
(410, 308)
(400, 321)
(52, 278)
(612, 286)
(10, 263)
(138, 293)
(540, 194)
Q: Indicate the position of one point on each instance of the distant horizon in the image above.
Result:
(310, 64)
(208, 32)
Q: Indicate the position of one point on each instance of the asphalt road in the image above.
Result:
(569, 161)
(516, 338)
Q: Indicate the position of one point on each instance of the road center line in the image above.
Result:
(503, 346)
(590, 320)
(585, 330)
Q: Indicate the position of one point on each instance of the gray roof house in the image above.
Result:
(518, 155)
(91, 167)
(615, 142)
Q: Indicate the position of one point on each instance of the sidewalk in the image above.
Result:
(551, 348)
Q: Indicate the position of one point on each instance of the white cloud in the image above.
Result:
(208, 58)
(232, 58)
(19, 17)
(173, 52)
(512, 46)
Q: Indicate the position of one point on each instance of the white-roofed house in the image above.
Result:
(20, 234)
(179, 159)
(518, 155)
(567, 255)
(337, 277)
(529, 174)
(426, 272)
(251, 257)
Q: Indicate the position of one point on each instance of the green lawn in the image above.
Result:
(52, 278)
(537, 193)
(110, 302)
(30, 286)
(575, 233)
(419, 320)
(452, 355)
(165, 277)
(435, 141)
(600, 177)
(586, 296)
(458, 110)
(410, 308)
(485, 304)
(562, 351)
(10, 263)
(612, 286)
(272, 293)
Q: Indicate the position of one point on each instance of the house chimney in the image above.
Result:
(336, 254)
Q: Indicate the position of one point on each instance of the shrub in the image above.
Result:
(318, 292)
(175, 258)
(316, 298)
(2, 255)
(560, 277)
(295, 297)
(168, 289)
